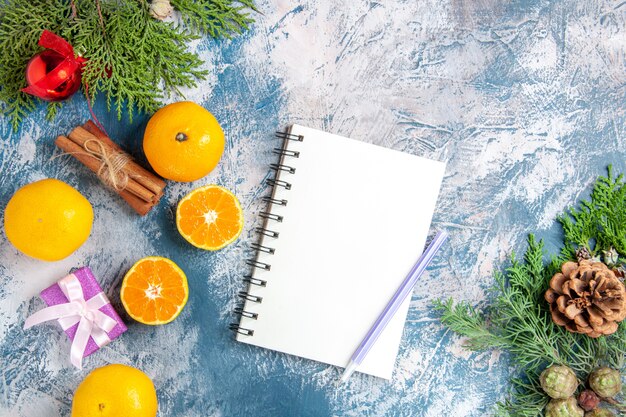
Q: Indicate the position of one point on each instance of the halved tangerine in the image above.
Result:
(210, 217)
(154, 290)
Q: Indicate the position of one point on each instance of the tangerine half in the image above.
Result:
(209, 217)
(154, 291)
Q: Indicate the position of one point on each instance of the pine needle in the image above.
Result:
(599, 223)
(218, 18)
(134, 60)
(518, 319)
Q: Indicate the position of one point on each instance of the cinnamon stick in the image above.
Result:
(143, 189)
(78, 152)
(137, 204)
(82, 137)
(144, 177)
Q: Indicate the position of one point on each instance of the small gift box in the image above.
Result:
(83, 311)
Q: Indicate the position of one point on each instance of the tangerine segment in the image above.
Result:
(209, 217)
(154, 291)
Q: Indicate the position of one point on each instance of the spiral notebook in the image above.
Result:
(344, 224)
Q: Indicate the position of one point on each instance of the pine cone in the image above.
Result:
(606, 382)
(564, 407)
(582, 253)
(588, 400)
(586, 297)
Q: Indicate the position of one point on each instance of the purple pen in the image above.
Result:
(390, 310)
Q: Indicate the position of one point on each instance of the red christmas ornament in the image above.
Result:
(55, 73)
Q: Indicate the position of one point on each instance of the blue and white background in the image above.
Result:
(523, 98)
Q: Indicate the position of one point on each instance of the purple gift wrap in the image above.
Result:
(53, 295)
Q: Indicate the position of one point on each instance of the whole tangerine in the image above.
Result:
(48, 219)
(115, 391)
(183, 141)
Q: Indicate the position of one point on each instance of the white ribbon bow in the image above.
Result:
(91, 321)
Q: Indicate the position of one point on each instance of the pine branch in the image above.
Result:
(530, 400)
(217, 18)
(19, 33)
(134, 60)
(467, 321)
(600, 222)
(52, 110)
(519, 321)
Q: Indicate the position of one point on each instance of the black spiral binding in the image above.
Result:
(273, 182)
(281, 167)
(275, 201)
(268, 216)
(271, 216)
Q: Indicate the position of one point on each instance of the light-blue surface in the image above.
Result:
(524, 99)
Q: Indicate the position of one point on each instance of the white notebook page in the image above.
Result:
(356, 221)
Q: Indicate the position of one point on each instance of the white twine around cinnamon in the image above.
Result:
(115, 168)
(111, 170)
(112, 166)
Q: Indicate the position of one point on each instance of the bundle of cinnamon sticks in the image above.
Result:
(140, 188)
